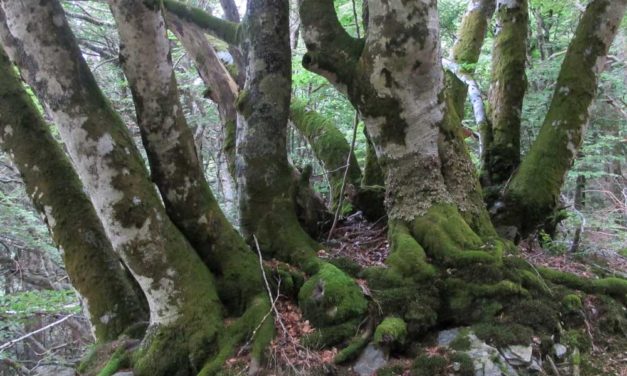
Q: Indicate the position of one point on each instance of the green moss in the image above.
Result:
(391, 370)
(331, 335)
(407, 256)
(351, 351)
(461, 342)
(449, 240)
(120, 359)
(613, 286)
(541, 315)
(466, 366)
(425, 365)
(576, 338)
(502, 335)
(225, 30)
(370, 200)
(329, 145)
(256, 318)
(571, 303)
(347, 265)
(613, 317)
(331, 297)
(390, 332)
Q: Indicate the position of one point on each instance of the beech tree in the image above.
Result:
(161, 236)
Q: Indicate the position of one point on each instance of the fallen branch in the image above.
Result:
(14, 341)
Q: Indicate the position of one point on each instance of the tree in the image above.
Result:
(447, 263)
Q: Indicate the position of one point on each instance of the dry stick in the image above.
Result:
(265, 279)
(553, 366)
(345, 178)
(272, 301)
(12, 342)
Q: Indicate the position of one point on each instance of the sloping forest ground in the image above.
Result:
(43, 330)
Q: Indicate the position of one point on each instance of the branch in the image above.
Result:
(331, 51)
(88, 19)
(14, 341)
(227, 31)
(474, 93)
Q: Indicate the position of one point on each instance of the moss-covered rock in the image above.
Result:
(331, 297)
(390, 332)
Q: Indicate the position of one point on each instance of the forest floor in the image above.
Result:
(366, 244)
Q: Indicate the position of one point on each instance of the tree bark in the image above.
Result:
(467, 48)
(174, 164)
(57, 193)
(533, 193)
(185, 312)
(501, 136)
(329, 146)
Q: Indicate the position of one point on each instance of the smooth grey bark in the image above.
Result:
(175, 167)
(110, 300)
(179, 288)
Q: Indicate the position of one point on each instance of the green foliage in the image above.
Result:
(25, 304)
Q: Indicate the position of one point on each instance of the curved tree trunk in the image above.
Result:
(533, 193)
(95, 271)
(185, 312)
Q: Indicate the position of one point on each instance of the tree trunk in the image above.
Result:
(501, 139)
(533, 193)
(467, 48)
(174, 164)
(329, 146)
(57, 193)
(185, 312)
(265, 181)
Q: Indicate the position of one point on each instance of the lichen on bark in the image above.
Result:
(95, 271)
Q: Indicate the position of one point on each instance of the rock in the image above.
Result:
(486, 359)
(559, 350)
(370, 360)
(53, 370)
(445, 337)
(536, 366)
(518, 355)
(124, 373)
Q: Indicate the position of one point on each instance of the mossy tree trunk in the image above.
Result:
(265, 179)
(501, 138)
(329, 146)
(175, 167)
(532, 195)
(445, 257)
(185, 312)
(467, 48)
(113, 305)
(396, 82)
(310, 209)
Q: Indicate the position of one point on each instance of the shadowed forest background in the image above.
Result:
(334, 191)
